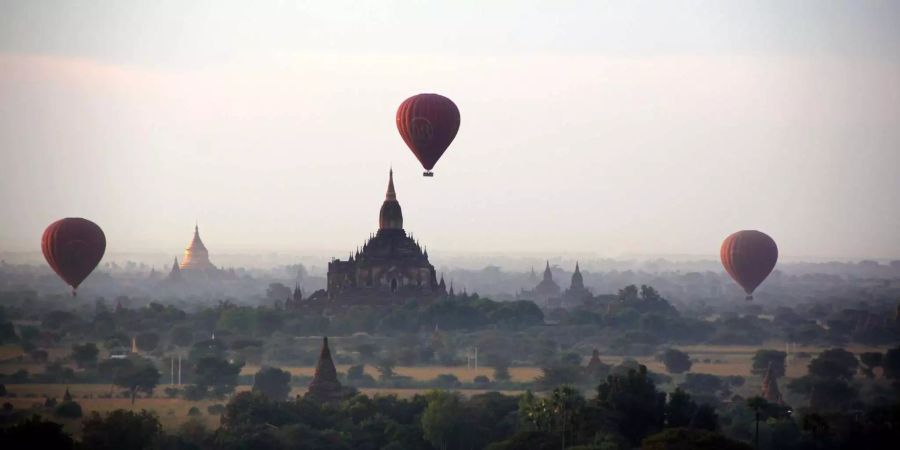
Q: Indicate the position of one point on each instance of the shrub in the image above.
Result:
(194, 392)
(194, 411)
(68, 410)
(447, 380)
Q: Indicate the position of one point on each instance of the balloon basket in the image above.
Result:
(427, 174)
(749, 298)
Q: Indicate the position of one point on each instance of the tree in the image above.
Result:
(528, 440)
(648, 293)
(7, 332)
(705, 418)
(386, 367)
(207, 348)
(443, 421)
(566, 405)
(366, 351)
(140, 376)
(680, 409)
(85, 355)
(120, 430)
(272, 382)
(501, 366)
(218, 374)
(147, 341)
(835, 363)
(628, 293)
(182, 336)
(35, 433)
(870, 360)
(758, 405)
(675, 360)
(278, 291)
(633, 404)
(688, 439)
(68, 410)
(764, 357)
(891, 363)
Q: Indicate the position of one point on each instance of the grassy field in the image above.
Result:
(717, 360)
(423, 373)
(172, 412)
(713, 359)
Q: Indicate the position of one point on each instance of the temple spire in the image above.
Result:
(770, 390)
(391, 215)
(391, 194)
(325, 386)
(548, 276)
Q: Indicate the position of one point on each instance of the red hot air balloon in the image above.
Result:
(428, 123)
(73, 247)
(749, 257)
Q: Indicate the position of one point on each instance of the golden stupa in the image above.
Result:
(196, 257)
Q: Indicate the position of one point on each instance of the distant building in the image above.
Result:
(195, 264)
(770, 390)
(595, 367)
(575, 296)
(295, 300)
(544, 291)
(196, 257)
(391, 266)
(325, 386)
(175, 273)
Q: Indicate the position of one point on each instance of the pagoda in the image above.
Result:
(196, 256)
(325, 386)
(544, 291)
(770, 390)
(390, 266)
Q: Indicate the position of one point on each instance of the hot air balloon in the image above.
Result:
(428, 123)
(73, 247)
(749, 257)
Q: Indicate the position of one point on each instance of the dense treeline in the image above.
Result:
(625, 411)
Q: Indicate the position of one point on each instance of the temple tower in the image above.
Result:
(577, 279)
(325, 386)
(770, 390)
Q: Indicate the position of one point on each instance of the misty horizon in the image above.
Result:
(637, 131)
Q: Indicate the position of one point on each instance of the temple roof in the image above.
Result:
(196, 242)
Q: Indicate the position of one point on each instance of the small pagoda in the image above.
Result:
(770, 390)
(325, 386)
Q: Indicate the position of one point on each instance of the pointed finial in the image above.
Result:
(391, 194)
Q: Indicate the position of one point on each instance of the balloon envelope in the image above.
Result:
(73, 247)
(428, 124)
(749, 257)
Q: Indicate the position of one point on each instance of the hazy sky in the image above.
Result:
(613, 128)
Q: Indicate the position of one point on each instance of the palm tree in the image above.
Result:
(757, 404)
